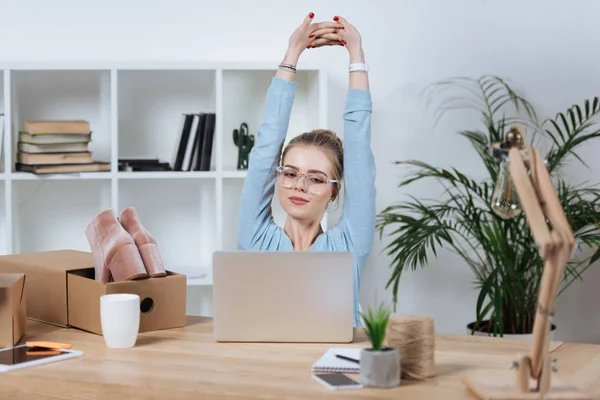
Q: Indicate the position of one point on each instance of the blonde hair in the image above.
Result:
(327, 141)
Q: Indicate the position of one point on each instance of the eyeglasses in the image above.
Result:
(315, 182)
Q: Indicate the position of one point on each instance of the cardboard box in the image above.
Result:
(13, 309)
(61, 290)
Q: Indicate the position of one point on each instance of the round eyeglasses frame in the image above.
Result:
(310, 186)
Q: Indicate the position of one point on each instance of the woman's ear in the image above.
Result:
(334, 196)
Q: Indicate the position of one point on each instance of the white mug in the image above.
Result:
(120, 319)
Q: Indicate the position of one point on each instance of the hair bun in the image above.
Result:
(332, 134)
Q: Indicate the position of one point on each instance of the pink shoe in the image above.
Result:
(115, 254)
(144, 241)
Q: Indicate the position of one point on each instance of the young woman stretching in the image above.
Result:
(310, 169)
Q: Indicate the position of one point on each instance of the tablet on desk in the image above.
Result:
(25, 356)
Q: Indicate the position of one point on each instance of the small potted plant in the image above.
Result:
(379, 364)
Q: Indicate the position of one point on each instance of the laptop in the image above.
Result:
(288, 296)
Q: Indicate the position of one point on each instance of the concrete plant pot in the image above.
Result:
(380, 368)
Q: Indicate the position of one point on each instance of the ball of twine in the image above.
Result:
(414, 337)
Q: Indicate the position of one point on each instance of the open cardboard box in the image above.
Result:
(13, 309)
(61, 290)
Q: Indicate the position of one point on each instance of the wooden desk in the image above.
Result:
(187, 363)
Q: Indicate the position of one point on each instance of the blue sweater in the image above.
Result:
(355, 230)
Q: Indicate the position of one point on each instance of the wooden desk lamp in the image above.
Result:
(533, 378)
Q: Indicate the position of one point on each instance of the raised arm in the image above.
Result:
(357, 223)
(254, 214)
(358, 215)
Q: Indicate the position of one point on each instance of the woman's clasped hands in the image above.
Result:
(310, 35)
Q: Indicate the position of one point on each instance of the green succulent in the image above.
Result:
(375, 323)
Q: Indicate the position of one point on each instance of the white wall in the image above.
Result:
(546, 47)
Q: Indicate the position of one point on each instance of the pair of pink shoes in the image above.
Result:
(123, 250)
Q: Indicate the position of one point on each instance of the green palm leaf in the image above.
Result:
(500, 253)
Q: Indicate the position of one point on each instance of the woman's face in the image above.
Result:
(306, 170)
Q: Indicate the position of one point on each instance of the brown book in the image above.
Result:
(64, 168)
(83, 157)
(54, 138)
(52, 147)
(56, 127)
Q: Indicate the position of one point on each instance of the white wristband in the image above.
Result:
(358, 67)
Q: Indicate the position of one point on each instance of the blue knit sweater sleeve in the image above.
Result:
(255, 222)
(356, 228)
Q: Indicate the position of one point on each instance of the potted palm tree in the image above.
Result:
(470, 216)
(379, 364)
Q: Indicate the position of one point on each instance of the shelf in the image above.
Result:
(234, 174)
(167, 175)
(151, 65)
(243, 101)
(4, 238)
(64, 94)
(25, 176)
(179, 214)
(151, 104)
(51, 215)
(135, 110)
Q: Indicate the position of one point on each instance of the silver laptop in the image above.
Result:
(272, 296)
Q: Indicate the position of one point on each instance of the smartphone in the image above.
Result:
(25, 356)
(337, 381)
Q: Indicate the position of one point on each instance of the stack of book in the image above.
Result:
(193, 150)
(51, 147)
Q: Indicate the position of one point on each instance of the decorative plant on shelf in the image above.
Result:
(468, 218)
(379, 365)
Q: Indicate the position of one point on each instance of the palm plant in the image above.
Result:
(500, 252)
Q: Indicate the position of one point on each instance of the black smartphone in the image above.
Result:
(337, 381)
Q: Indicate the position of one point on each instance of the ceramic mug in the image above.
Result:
(120, 319)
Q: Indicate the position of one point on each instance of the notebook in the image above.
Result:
(330, 363)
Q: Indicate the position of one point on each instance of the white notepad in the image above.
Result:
(330, 363)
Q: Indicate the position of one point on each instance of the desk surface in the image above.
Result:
(185, 363)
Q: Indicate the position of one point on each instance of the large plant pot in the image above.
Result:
(526, 336)
(380, 368)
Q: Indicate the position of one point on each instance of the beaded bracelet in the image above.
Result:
(287, 67)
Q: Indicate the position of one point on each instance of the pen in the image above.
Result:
(347, 358)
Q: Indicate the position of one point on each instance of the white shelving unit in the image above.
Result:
(134, 110)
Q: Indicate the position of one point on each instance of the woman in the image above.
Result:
(310, 169)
